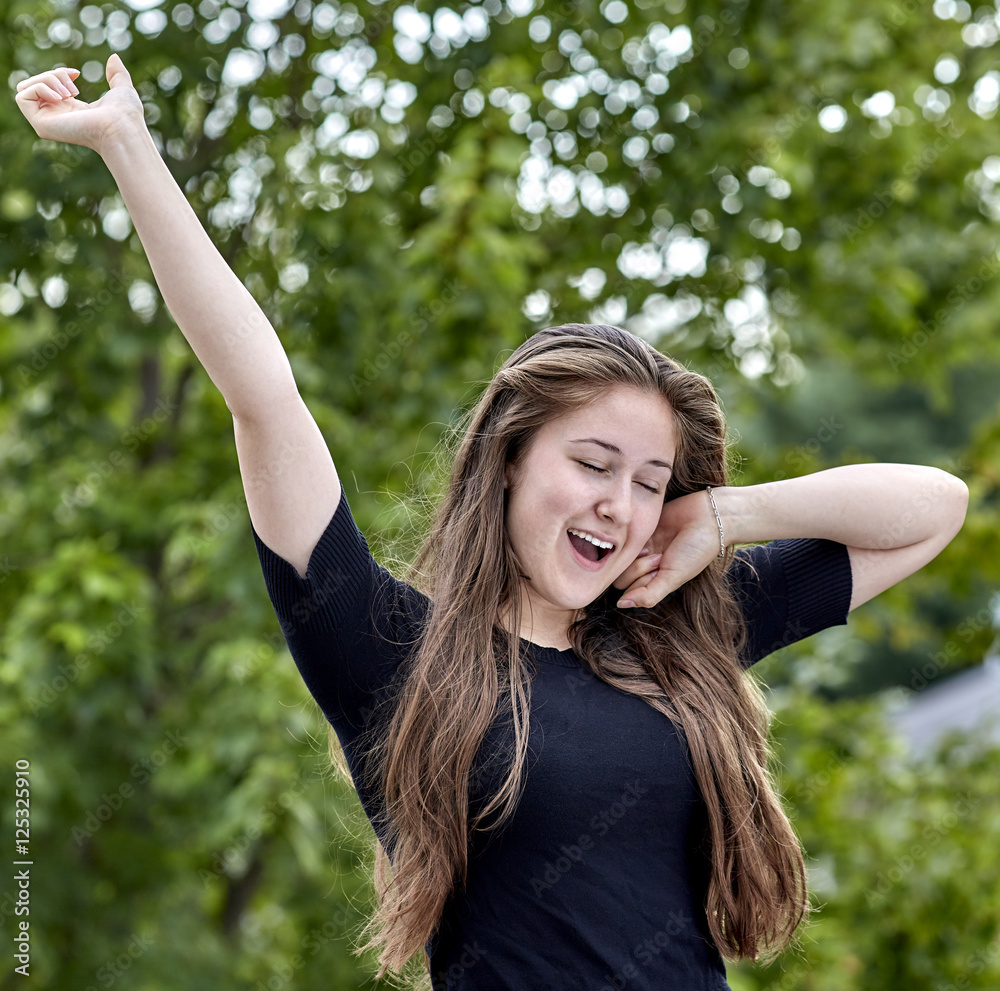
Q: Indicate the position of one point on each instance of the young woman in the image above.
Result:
(548, 722)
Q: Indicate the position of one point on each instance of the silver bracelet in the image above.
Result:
(718, 519)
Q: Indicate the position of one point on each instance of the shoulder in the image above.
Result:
(343, 584)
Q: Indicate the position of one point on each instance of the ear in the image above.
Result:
(506, 476)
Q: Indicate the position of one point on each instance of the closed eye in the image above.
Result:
(648, 488)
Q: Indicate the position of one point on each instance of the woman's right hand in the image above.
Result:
(49, 102)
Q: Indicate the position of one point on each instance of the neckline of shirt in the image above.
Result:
(552, 655)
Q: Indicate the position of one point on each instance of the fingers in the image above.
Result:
(42, 93)
(678, 568)
(55, 84)
(650, 589)
(642, 565)
(63, 74)
(637, 594)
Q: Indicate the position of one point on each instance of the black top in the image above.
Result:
(596, 881)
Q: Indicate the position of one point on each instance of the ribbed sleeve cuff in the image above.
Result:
(818, 582)
(337, 576)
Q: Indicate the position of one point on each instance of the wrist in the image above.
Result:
(731, 504)
(717, 519)
(123, 138)
(744, 512)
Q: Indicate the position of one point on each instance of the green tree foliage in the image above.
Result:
(798, 200)
(901, 866)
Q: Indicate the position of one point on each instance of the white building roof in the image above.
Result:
(968, 702)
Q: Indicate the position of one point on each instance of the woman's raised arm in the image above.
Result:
(893, 518)
(289, 478)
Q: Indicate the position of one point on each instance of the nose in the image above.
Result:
(616, 503)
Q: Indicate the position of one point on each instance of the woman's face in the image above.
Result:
(601, 471)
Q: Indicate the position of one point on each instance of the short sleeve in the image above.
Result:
(788, 590)
(349, 623)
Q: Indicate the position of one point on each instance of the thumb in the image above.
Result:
(116, 72)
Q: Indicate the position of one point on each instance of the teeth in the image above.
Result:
(597, 543)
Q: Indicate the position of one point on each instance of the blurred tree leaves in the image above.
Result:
(897, 851)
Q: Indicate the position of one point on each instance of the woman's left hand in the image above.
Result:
(687, 540)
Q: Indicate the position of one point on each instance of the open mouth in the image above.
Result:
(588, 549)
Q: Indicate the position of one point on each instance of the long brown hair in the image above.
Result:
(466, 671)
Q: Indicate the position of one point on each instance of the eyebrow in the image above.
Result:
(619, 452)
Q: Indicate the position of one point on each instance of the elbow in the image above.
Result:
(953, 502)
(962, 501)
(260, 407)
